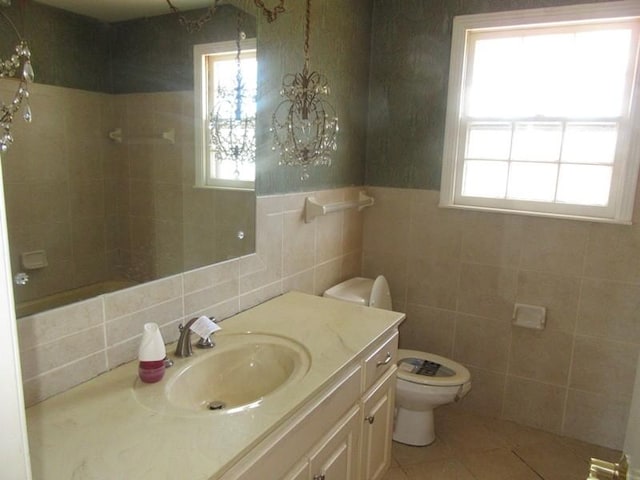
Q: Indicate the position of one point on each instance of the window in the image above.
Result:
(541, 112)
(215, 69)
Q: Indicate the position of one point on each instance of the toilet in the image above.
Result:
(425, 380)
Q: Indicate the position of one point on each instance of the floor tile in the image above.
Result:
(554, 461)
(467, 433)
(515, 435)
(587, 450)
(395, 474)
(477, 447)
(499, 464)
(447, 469)
(407, 455)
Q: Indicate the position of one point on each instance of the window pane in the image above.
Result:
(495, 84)
(489, 141)
(578, 74)
(590, 143)
(545, 77)
(532, 181)
(584, 184)
(598, 72)
(537, 142)
(484, 179)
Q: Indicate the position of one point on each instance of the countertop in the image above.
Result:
(99, 430)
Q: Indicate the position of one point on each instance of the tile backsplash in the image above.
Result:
(64, 347)
(457, 275)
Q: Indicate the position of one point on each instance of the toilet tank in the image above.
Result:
(363, 291)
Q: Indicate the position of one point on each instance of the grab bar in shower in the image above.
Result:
(168, 136)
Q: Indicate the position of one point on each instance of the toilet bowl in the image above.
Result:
(425, 380)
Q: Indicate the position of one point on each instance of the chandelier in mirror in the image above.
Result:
(305, 125)
(196, 24)
(17, 66)
(232, 122)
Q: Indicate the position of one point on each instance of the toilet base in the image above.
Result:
(414, 427)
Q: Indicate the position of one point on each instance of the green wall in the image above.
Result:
(410, 50)
(144, 55)
(339, 48)
(156, 54)
(69, 50)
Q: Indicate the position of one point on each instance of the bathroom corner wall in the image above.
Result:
(457, 275)
(65, 347)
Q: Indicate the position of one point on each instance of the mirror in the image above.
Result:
(100, 186)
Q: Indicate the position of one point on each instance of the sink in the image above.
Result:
(243, 371)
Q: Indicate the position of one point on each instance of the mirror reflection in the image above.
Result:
(101, 187)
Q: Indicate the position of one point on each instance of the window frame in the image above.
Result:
(627, 161)
(201, 111)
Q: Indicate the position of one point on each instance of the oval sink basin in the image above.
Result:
(239, 373)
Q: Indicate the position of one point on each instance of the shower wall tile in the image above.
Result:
(609, 310)
(595, 416)
(433, 282)
(298, 243)
(437, 325)
(602, 366)
(612, 253)
(487, 291)
(544, 356)
(560, 295)
(487, 393)
(70, 345)
(482, 342)
(491, 239)
(535, 404)
(50, 356)
(584, 274)
(128, 326)
(46, 385)
(327, 274)
(142, 297)
(552, 245)
(54, 324)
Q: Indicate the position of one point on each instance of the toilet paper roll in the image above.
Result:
(152, 346)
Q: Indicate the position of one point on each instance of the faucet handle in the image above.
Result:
(205, 343)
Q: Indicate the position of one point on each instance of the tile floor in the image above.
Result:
(474, 447)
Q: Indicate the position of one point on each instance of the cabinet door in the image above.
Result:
(299, 472)
(378, 408)
(336, 457)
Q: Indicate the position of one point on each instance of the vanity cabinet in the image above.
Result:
(343, 434)
(336, 456)
(377, 427)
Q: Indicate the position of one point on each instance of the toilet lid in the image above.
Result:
(430, 369)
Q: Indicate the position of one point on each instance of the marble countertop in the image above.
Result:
(99, 430)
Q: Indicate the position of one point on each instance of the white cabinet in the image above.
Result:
(344, 433)
(336, 458)
(378, 410)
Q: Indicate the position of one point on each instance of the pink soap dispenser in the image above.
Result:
(151, 354)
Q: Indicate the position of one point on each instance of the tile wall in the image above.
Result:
(55, 189)
(67, 346)
(457, 275)
(108, 211)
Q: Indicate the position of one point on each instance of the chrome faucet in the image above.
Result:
(184, 348)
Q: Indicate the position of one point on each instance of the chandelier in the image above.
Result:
(195, 25)
(16, 66)
(232, 123)
(305, 125)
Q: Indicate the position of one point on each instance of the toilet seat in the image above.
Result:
(453, 373)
